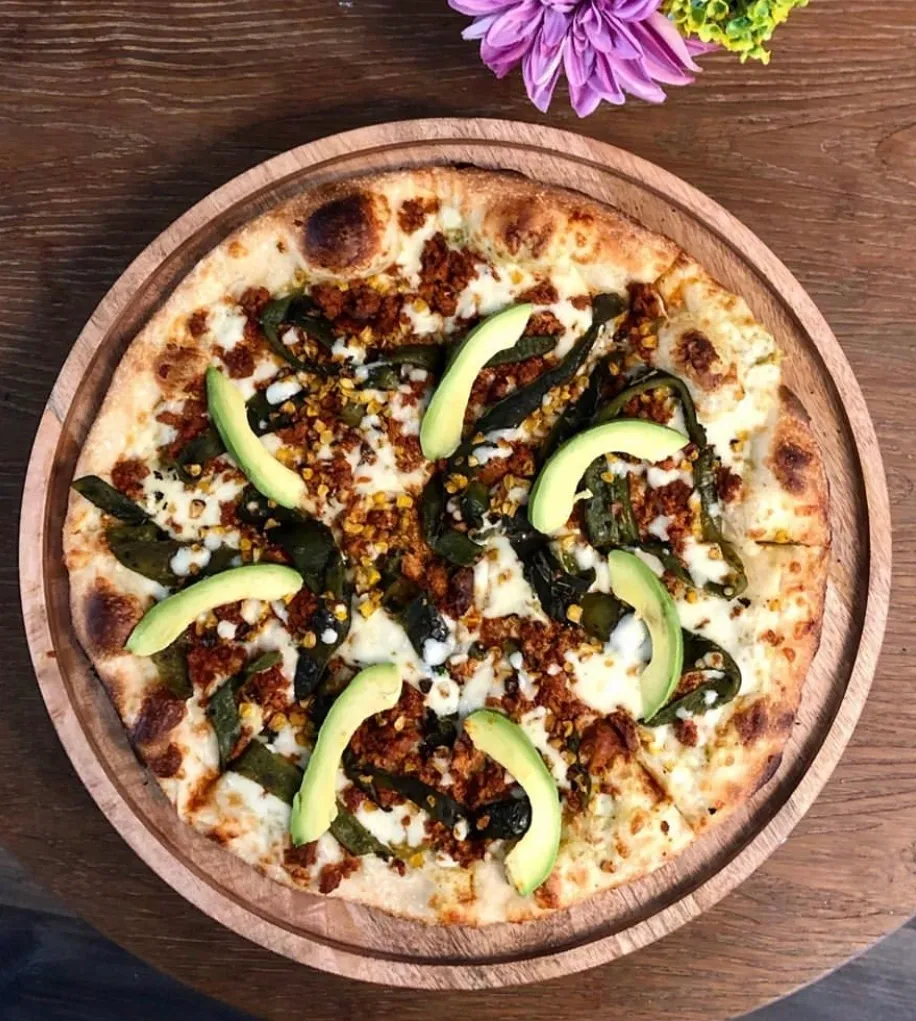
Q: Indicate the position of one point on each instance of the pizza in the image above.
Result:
(450, 544)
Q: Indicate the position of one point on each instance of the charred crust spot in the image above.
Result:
(110, 617)
(790, 466)
(178, 367)
(160, 713)
(166, 763)
(524, 228)
(342, 233)
(752, 722)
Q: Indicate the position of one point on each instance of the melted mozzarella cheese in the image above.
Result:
(282, 390)
(226, 324)
(381, 639)
(477, 688)
(705, 562)
(500, 588)
(188, 557)
(609, 679)
(533, 725)
(381, 474)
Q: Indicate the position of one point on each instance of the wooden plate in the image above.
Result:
(355, 941)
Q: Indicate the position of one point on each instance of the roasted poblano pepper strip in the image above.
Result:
(722, 684)
(657, 381)
(422, 356)
(669, 560)
(423, 623)
(704, 472)
(579, 414)
(142, 548)
(110, 500)
(352, 413)
(223, 713)
(297, 310)
(526, 347)
(382, 377)
(457, 547)
(511, 411)
(264, 417)
(474, 503)
(601, 613)
(508, 819)
(264, 662)
(172, 665)
(277, 775)
(440, 806)
(220, 560)
(351, 833)
(556, 587)
(607, 514)
(313, 551)
(197, 452)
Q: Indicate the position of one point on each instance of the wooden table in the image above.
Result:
(114, 117)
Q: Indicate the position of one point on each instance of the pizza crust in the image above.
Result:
(739, 746)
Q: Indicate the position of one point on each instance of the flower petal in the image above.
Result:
(634, 10)
(635, 79)
(480, 7)
(584, 99)
(579, 62)
(541, 93)
(479, 27)
(516, 23)
(668, 37)
(607, 80)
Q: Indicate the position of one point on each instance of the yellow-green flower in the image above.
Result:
(742, 26)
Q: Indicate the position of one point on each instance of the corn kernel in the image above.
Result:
(309, 640)
(404, 500)
(340, 612)
(574, 613)
(278, 722)
(691, 596)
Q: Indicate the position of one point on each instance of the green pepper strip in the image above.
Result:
(282, 778)
(278, 312)
(703, 472)
(724, 681)
(273, 772)
(110, 500)
(351, 833)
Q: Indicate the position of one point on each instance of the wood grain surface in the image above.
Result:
(114, 118)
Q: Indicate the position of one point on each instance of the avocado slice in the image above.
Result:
(440, 430)
(532, 859)
(165, 621)
(635, 583)
(230, 416)
(315, 806)
(553, 495)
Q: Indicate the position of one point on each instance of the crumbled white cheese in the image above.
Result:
(282, 390)
(226, 629)
(188, 556)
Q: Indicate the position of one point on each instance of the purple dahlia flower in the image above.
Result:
(606, 47)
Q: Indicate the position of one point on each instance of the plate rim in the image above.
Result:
(245, 188)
